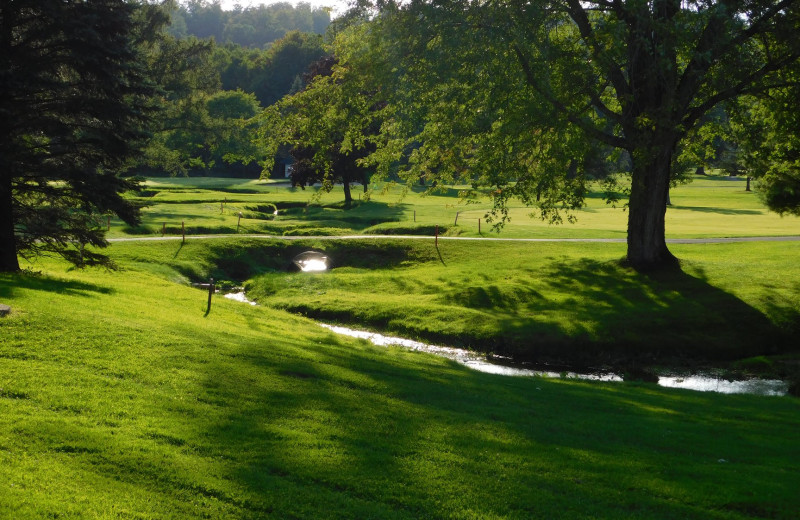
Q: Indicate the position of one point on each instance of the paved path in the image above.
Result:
(722, 240)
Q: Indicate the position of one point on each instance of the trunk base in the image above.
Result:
(664, 261)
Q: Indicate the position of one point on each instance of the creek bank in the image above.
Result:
(495, 365)
(703, 382)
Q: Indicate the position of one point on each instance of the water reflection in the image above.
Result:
(239, 297)
(311, 261)
(477, 362)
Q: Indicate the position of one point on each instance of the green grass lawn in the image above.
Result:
(119, 398)
(567, 302)
(708, 206)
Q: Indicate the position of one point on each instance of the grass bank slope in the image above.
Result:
(569, 303)
(120, 398)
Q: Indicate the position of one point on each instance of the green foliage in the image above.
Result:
(252, 26)
(330, 126)
(765, 129)
(520, 97)
(73, 102)
(272, 73)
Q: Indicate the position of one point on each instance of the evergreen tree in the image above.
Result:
(73, 100)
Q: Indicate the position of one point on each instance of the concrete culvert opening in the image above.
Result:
(311, 261)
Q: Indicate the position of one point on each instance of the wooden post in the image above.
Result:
(238, 221)
(456, 222)
(221, 208)
(415, 215)
(436, 239)
(210, 292)
(183, 231)
(108, 223)
(163, 228)
(479, 226)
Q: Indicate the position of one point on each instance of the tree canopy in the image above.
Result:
(74, 100)
(328, 126)
(521, 96)
(254, 26)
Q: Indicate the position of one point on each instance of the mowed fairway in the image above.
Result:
(120, 399)
(712, 206)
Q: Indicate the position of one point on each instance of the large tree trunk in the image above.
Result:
(8, 249)
(647, 245)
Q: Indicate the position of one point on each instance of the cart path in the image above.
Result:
(720, 240)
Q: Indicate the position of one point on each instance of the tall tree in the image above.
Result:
(329, 125)
(511, 93)
(73, 101)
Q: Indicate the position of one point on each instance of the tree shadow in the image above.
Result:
(721, 211)
(9, 283)
(611, 314)
(401, 437)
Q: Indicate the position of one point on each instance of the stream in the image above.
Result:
(476, 361)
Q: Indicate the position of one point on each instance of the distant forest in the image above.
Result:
(217, 69)
(255, 27)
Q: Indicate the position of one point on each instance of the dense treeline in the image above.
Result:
(255, 26)
(210, 91)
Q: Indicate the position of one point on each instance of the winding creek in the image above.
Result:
(475, 361)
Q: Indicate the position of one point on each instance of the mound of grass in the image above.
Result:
(563, 303)
(120, 398)
(393, 228)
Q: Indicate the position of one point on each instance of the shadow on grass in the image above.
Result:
(720, 211)
(360, 436)
(9, 283)
(611, 314)
(241, 260)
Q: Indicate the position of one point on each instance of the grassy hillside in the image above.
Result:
(119, 398)
(567, 302)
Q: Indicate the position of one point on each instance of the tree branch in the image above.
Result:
(583, 124)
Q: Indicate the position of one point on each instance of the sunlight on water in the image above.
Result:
(700, 383)
(475, 361)
(313, 264)
(239, 297)
(311, 261)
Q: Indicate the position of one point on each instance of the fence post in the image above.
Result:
(436, 237)
(456, 222)
(415, 215)
(479, 226)
(108, 223)
(210, 292)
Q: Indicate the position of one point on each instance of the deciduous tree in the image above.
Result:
(510, 94)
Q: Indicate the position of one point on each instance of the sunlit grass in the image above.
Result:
(120, 398)
(707, 207)
(564, 302)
